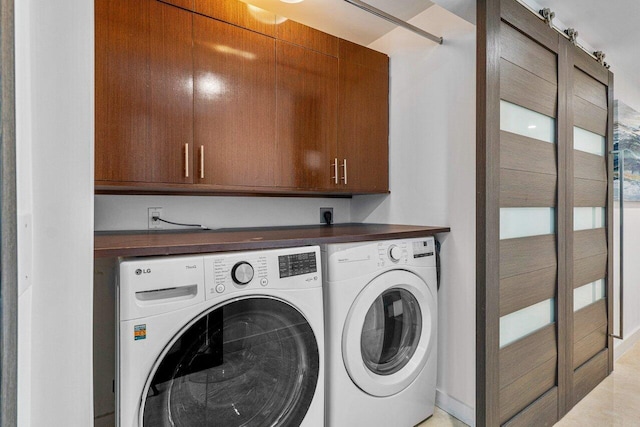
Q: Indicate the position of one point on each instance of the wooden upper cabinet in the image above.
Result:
(363, 119)
(144, 95)
(307, 108)
(296, 33)
(238, 13)
(235, 105)
(185, 4)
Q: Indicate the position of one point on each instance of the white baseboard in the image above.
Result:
(453, 406)
(622, 347)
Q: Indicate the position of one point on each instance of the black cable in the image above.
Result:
(157, 218)
(438, 264)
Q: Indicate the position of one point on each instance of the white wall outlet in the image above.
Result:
(322, 213)
(155, 213)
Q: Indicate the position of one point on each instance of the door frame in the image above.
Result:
(8, 221)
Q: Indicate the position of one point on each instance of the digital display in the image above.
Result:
(297, 264)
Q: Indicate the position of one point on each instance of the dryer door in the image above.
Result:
(389, 333)
(251, 362)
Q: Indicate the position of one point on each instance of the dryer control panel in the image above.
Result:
(351, 259)
(296, 268)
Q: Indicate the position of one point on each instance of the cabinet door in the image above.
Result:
(307, 117)
(144, 92)
(363, 135)
(234, 104)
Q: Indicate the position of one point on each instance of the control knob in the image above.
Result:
(242, 273)
(395, 253)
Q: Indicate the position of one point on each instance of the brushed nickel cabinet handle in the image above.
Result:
(335, 170)
(344, 170)
(202, 162)
(186, 160)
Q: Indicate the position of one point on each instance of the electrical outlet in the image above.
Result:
(322, 211)
(155, 212)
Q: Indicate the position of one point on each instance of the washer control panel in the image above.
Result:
(294, 268)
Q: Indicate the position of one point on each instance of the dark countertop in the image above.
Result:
(146, 243)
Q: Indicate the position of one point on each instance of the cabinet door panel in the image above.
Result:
(307, 111)
(144, 99)
(234, 104)
(363, 136)
(185, 4)
(238, 13)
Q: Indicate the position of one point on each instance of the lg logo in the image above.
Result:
(140, 271)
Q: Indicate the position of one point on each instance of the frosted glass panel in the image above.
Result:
(522, 322)
(588, 294)
(588, 218)
(520, 120)
(523, 222)
(590, 142)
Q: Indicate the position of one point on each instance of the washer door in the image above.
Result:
(251, 362)
(389, 333)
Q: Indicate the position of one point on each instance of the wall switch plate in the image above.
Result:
(322, 211)
(155, 212)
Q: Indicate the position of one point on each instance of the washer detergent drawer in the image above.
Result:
(151, 286)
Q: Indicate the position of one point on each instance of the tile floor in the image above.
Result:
(615, 402)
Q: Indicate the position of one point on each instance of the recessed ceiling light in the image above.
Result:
(292, 1)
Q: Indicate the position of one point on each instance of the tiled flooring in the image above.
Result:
(442, 419)
(615, 402)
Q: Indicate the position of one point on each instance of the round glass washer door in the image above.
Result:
(250, 362)
(389, 333)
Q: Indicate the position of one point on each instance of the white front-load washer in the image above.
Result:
(380, 329)
(233, 339)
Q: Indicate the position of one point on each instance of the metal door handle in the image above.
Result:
(620, 154)
(186, 160)
(344, 170)
(202, 162)
(335, 170)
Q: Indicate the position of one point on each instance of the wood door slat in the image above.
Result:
(527, 254)
(590, 375)
(589, 89)
(589, 193)
(589, 166)
(523, 88)
(526, 389)
(302, 35)
(541, 413)
(589, 346)
(590, 269)
(526, 53)
(526, 354)
(589, 319)
(518, 16)
(589, 243)
(590, 117)
(518, 292)
(590, 66)
(238, 13)
(527, 189)
(526, 154)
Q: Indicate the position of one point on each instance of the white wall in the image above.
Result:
(432, 179)
(54, 85)
(131, 212)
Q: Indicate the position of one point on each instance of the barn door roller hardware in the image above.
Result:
(384, 15)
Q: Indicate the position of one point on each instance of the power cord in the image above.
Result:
(157, 218)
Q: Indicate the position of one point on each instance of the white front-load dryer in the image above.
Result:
(229, 340)
(380, 329)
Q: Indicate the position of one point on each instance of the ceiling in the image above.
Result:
(344, 20)
(608, 26)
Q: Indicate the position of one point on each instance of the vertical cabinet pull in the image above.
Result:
(335, 170)
(202, 162)
(186, 160)
(344, 172)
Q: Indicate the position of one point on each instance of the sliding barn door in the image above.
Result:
(544, 205)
